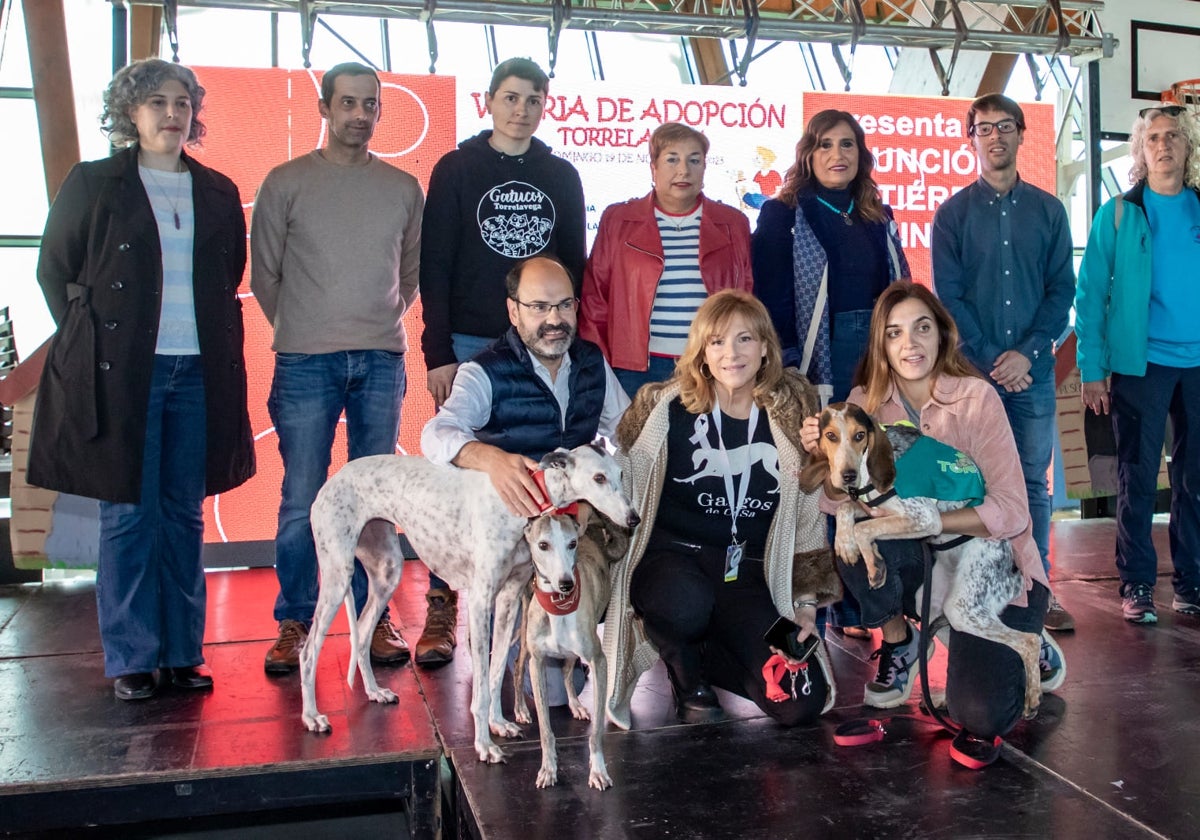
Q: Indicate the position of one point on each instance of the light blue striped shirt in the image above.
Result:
(681, 290)
(170, 196)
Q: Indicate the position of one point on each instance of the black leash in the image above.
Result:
(868, 730)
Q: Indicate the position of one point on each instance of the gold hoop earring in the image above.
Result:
(705, 371)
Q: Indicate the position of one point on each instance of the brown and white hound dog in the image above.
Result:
(973, 579)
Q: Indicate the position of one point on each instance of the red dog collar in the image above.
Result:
(557, 604)
(544, 505)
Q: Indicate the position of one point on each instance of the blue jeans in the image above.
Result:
(307, 397)
(150, 592)
(1031, 414)
(847, 343)
(1140, 408)
(660, 370)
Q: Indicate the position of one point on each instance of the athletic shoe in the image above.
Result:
(1057, 617)
(974, 753)
(1137, 604)
(1187, 602)
(898, 665)
(1052, 663)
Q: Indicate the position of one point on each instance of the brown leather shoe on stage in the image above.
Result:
(284, 655)
(437, 642)
(1057, 617)
(387, 646)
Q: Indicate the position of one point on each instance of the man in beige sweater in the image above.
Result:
(335, 245)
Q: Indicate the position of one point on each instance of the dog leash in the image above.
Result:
(856, 733)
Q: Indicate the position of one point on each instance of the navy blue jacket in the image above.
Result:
(526, 417)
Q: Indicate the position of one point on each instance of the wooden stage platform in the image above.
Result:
(1111, 755)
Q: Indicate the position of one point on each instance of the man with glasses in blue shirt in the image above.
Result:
(1002, 265)
(536, 388)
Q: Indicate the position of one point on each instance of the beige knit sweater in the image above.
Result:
(334, 253)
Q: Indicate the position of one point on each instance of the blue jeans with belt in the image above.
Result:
(150, 591)
(308, 394)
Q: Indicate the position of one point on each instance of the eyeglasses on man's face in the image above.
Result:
(985, 129)
(542, 309)
(1165, 110)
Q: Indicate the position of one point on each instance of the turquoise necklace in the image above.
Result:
(845, 214)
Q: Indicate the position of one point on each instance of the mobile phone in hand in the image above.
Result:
(782, 636)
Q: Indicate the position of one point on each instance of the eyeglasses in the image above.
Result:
(1165, 110)
(543, 309)
(984, 129)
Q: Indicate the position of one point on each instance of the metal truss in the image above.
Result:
(1042, 27)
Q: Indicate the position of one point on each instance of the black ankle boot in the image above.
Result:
(697, 705)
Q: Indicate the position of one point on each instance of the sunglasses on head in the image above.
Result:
(1166, 110)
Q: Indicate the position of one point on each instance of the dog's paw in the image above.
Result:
(382, 695)
(489, 753)
(502, 728)
(598, 774)
(522, 716)
(317, 723)
(847, 550)
(578, 710)
(878, 576)
(548, 775)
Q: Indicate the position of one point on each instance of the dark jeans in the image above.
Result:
(848, 340)
(150, 592)
(660, 370)
(307, 397)
(707, 630)
(985, 680)
(1031, 414)
(1140, 408)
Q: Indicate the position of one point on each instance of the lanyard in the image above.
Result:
(736, 503)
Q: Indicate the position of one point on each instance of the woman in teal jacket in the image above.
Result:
(1139, 350)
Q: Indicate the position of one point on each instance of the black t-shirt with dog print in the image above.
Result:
(693, 506)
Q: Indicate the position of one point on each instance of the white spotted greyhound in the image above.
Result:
(465, 534)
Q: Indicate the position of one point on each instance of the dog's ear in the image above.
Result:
(556, 460)
(584, 517)
(880, 463)
(814, 473)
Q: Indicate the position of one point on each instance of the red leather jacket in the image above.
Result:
(626, 264)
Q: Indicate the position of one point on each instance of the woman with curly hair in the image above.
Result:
(1139, 350)
(142, 402)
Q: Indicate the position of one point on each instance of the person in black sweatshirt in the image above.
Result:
(499, 198)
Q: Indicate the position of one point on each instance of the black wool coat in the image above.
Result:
(100, 269)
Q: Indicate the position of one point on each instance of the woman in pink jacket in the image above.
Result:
(913, 370)
(657, 258)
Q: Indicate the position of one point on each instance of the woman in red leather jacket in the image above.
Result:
(657, 258)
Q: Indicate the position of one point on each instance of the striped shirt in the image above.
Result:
(170, 196)
(680, 291)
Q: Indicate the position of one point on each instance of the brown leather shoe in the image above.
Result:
(387, 646)
(284, 655)
(438, 640)
(1057, 617)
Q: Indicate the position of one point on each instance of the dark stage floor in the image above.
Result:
(1110, 755)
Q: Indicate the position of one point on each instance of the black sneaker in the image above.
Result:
(1137, 604)
(1187, 602)
(898, 666)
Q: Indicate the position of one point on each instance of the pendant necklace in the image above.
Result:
(845, 214)
(167, 198)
